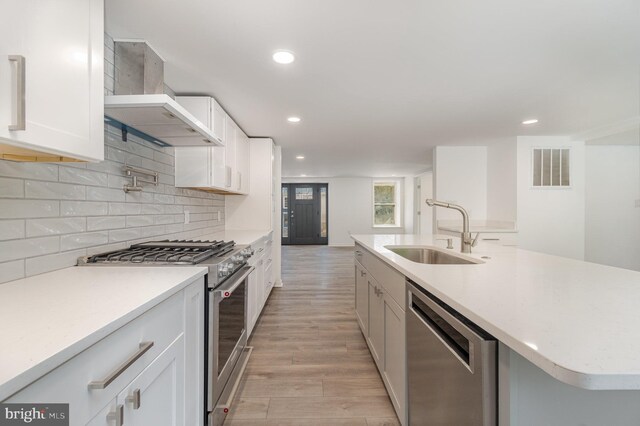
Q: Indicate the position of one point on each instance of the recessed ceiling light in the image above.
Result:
(532, 121)
(293, 119)
(303, 175)
(299, 157)
(283, 57)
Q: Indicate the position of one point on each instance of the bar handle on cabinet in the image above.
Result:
(117, 415)
(134, 399)
(101, 384)
(227, 181)
(20, 107)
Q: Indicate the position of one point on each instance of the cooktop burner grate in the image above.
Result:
(179, 252)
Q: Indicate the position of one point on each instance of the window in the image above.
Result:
(386, 205)
(551, 167)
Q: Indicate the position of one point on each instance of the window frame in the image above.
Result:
(397, 202)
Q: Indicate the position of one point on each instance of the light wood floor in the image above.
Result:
(310, 364)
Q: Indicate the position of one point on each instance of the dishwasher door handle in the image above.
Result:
(452, 332)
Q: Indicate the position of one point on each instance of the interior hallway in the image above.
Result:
(310, 364)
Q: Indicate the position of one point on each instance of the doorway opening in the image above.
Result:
(305, 218)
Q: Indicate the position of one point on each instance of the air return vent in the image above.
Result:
(551, 167)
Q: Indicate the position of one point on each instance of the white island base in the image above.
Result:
(529, 396)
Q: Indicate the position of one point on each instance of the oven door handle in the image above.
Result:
(228, 289)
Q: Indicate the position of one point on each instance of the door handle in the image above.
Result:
(20, 107)
(134, 399)
(101, 384)
(117, 415)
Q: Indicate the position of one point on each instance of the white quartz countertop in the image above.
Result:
(47, 319)
(578, 321)
(239, 236)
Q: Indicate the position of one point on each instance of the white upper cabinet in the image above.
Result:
(231, 130)
(51, 80)
(242, 162)
(219, 169)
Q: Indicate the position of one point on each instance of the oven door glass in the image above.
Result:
(231, 324)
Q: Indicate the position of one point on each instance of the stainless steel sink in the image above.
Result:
(430, 256)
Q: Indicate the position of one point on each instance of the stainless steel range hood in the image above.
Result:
(140, 101)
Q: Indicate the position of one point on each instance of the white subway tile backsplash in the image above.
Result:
(40, 171)
(50, 214)
(96, 193)
(67, 225)
(28, 247)
(124, 208)
(20, 209)
(52, 262)
(85, 239)
(11, 188)
(53, 190)
(124, 235)
(105, 222)
(83, 176)
(83, 208)
(11, 229)
(135, 221)
(163, 219)
(10, 271)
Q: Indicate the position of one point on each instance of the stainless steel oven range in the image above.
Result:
(225, 306)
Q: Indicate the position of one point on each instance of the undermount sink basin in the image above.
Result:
(430, 256)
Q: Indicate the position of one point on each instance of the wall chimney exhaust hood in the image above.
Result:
(140, 103)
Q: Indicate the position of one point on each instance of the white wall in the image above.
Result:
(551, 220)
(612, 217)
(501, 180)
(351, 207)
(460, 177)
(426, 212)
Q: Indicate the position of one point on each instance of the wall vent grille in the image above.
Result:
(551, 167)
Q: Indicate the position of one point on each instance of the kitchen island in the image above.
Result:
(568, 330)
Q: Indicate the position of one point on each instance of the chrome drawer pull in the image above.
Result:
(117, 415)
(134, 399)
(21, 123)
(101, 384)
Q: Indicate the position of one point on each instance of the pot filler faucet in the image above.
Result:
(466, 242)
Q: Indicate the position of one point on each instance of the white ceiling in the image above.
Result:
(378, 83)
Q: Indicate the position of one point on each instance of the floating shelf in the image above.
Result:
(160, 117)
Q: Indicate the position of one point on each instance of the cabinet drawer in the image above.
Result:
(502, 238)
(392, 281)
(69, 383)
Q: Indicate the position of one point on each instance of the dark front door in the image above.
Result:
(304, 213)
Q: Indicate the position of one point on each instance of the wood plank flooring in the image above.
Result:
(310, 365)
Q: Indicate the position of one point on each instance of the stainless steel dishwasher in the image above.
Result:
(451, 365)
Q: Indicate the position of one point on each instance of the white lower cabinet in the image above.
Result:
(261, 280)
(136, 375)
(156, 396)
(382, 321)
(376, 322)
(362, 298)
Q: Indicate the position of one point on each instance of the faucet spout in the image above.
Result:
(465, 237)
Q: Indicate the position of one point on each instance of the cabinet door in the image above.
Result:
(362, 299)
(106, 416)
(268, 280)
(230, 153)
(260, 286)
(394, 354)
(376, 322)
(252, 301)
(217, 120)
(62, 44)
(194, 353)
(156, 396)
(242, 162)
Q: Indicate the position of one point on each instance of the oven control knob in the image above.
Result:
(224, 270)
(237, 258)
